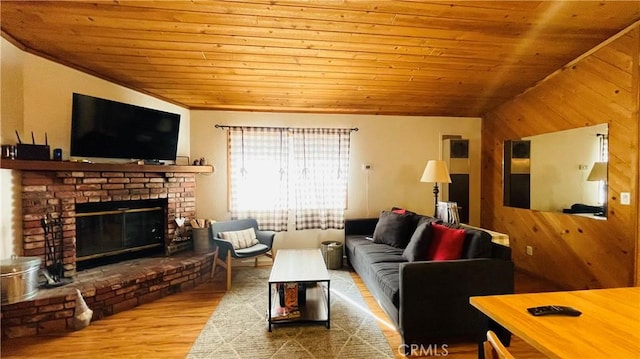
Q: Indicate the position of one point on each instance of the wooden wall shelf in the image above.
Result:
(98, 167)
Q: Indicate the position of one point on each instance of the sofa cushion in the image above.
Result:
(446, 243)
(419, 243)
(394, 229)
(387, 277)
(378, 252)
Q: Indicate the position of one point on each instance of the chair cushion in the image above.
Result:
(249, 251)
(241, 239)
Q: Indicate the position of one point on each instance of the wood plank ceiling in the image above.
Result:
(439, 58)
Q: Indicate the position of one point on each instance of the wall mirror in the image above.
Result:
(563, 171)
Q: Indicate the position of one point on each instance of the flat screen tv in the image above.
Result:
(110, 129)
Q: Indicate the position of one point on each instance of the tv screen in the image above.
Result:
(110, 129)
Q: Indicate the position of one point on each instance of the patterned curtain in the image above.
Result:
(258, 180)
(320, 171)
(603, 147)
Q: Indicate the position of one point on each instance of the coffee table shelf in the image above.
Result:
(313, 310)
(307, 267)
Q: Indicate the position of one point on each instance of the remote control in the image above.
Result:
(554, 310)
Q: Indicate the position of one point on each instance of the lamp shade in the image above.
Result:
(598, 172)
(436, 172)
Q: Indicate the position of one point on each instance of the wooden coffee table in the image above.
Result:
(306, 267)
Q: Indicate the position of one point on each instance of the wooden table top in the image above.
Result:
(298, 265)
(609, 326)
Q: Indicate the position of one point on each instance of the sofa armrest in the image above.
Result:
(434, 295)
(500, 252)
(360, 226)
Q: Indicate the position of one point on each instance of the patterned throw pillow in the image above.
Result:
(241, 239)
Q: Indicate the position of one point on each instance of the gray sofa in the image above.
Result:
(428, 301)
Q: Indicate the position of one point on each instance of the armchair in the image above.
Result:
(225, 250)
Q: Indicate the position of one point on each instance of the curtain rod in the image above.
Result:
(278, 128)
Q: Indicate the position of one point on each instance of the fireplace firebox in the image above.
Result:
(109, 232)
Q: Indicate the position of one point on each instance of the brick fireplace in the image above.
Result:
(113, 231)
(55, 189)
(56, 193)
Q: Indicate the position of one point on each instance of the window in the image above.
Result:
(275, 173)
(603, 149)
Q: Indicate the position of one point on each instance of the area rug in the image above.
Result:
(238, 327)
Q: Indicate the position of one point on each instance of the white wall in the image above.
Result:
(48, 89)
(397, 148)
(37, 96)
(11, 118)
(560, 164)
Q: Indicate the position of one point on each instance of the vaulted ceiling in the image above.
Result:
(440, 58)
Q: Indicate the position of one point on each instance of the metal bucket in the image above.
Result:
(19, 278)
(202, 243)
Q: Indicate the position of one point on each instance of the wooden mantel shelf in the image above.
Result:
(98, 167)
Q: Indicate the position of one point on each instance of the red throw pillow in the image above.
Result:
(446, 243)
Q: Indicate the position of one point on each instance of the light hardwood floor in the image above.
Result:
(167, 328)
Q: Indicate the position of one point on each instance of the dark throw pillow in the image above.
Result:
(446, 243)
(419, 243)
(477, 244)
(414, 216)
(393, 229)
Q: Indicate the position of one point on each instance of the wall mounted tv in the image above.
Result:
(110, 129)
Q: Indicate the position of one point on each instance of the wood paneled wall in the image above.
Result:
(572, 251)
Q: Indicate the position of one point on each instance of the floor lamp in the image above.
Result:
(436, 172)
(599, 173)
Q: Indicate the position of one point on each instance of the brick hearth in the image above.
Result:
(107, 290)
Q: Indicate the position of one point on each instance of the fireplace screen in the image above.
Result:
(108, 232)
